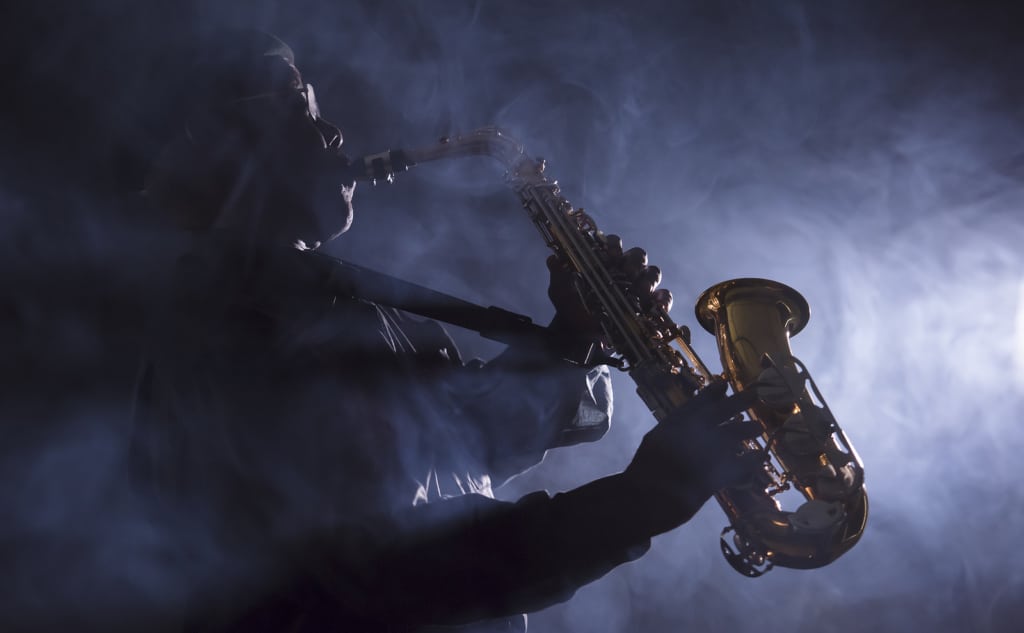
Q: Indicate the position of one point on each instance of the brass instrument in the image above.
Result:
(752, 320)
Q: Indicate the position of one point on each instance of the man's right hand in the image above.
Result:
(685, 459)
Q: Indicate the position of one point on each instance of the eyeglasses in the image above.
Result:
(302, 99)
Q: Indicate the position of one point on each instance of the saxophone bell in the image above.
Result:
(752, 321)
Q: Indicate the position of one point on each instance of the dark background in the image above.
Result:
(870, 154)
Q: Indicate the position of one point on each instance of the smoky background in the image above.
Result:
(869, 154)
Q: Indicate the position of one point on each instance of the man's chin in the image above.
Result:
(324, 221)
(348, 219)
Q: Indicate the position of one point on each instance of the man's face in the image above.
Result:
(289, 170)
(301, 153)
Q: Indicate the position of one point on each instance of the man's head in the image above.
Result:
(254, 156)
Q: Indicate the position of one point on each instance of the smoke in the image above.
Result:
(868, 155)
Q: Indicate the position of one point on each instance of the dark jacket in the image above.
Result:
(328, 462)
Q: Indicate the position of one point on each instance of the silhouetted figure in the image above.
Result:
(328, 462)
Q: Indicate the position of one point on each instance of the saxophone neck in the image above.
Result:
(486, 141)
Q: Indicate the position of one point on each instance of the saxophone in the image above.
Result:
(752, 321)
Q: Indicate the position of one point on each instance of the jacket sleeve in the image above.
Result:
(522, 403)
(467, 558)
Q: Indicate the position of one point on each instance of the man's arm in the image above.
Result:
(469, 558)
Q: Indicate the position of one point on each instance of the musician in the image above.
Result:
(326, 463)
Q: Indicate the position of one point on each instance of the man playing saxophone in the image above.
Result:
(328, 462)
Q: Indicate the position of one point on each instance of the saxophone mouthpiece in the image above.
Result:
(382, 166)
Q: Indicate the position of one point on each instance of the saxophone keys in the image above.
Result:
(817, 516)
(797, 437)
(779, 386)
(663, 300)
(634, 262)
(834, 484)
(612, 245)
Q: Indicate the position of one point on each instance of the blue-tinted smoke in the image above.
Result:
(868, 156)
